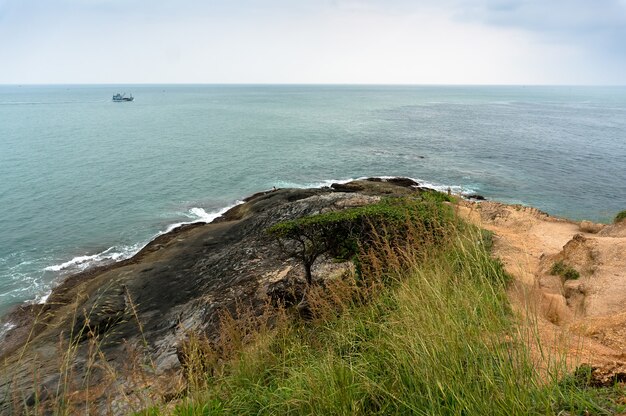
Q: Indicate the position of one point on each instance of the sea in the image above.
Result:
(86, 181)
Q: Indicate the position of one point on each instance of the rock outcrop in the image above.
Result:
(179, 283)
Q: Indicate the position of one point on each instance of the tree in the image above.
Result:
(306, 239)
(342, 233)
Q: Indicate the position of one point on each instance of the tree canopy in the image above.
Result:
(341, 233)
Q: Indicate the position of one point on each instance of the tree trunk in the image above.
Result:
(307, 272)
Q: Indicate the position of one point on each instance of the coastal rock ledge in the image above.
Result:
(178, 284)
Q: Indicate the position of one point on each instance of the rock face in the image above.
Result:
(179, 283)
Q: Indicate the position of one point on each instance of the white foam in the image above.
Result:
(82, 262)
(76, 261)
(111, 254)
(198, 215)
(319, 184)
(6, 327)
(455, 189)
(43, 298)
(114, 254)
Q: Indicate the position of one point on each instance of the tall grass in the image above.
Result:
(86, 382)
(422, 326)
(425, 329)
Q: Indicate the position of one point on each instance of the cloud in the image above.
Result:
(571, 16)
(379, 41)
(597, 28)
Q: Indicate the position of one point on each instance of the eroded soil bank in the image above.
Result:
(581, 315)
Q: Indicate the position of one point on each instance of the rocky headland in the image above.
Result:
(182, 282)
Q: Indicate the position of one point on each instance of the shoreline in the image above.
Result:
(24, 314)
(183, 281)
(98, 261)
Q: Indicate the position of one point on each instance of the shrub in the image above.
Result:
(570, 274)
(565, 271)
(621, 216)
(557, 268)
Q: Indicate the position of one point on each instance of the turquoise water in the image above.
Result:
(83, 179)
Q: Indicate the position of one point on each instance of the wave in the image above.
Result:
(4, 328)
(455, 189)
(200, 215)
(318, 184)
(80, 261)
(114, 254)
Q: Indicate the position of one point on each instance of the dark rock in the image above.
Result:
(102, 312)
(399, 181)
(405, 182)
(46, 390)
(347, 187)
(179, 283)
(475, 197)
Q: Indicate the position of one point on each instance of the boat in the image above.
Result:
(118, 98)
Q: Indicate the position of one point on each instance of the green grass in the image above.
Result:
(437, 337)
(565, 271)
(620, 217)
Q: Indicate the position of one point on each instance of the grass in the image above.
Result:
(565, 271)
(423, 326)
(80, 352)
(431, 332)
(621, 216)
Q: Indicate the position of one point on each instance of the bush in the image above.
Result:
(621, 216)
(570, 274)
(557, 268)
(561, 269)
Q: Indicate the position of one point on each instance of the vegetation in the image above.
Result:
(423, 329)
(343, 233)
(561, 269)
(620, 217)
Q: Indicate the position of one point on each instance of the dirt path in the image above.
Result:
(584, 318)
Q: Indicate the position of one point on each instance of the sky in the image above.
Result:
(572, 42)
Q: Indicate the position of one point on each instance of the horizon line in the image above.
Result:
(311, 84)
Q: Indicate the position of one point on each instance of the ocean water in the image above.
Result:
(85, 180)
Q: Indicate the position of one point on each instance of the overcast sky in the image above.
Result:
(313, 41)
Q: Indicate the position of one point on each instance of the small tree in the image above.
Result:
(341, 233)
(306, 239)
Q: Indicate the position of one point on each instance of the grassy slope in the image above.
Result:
(434, 336)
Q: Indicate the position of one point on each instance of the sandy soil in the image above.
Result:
(581, 319)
